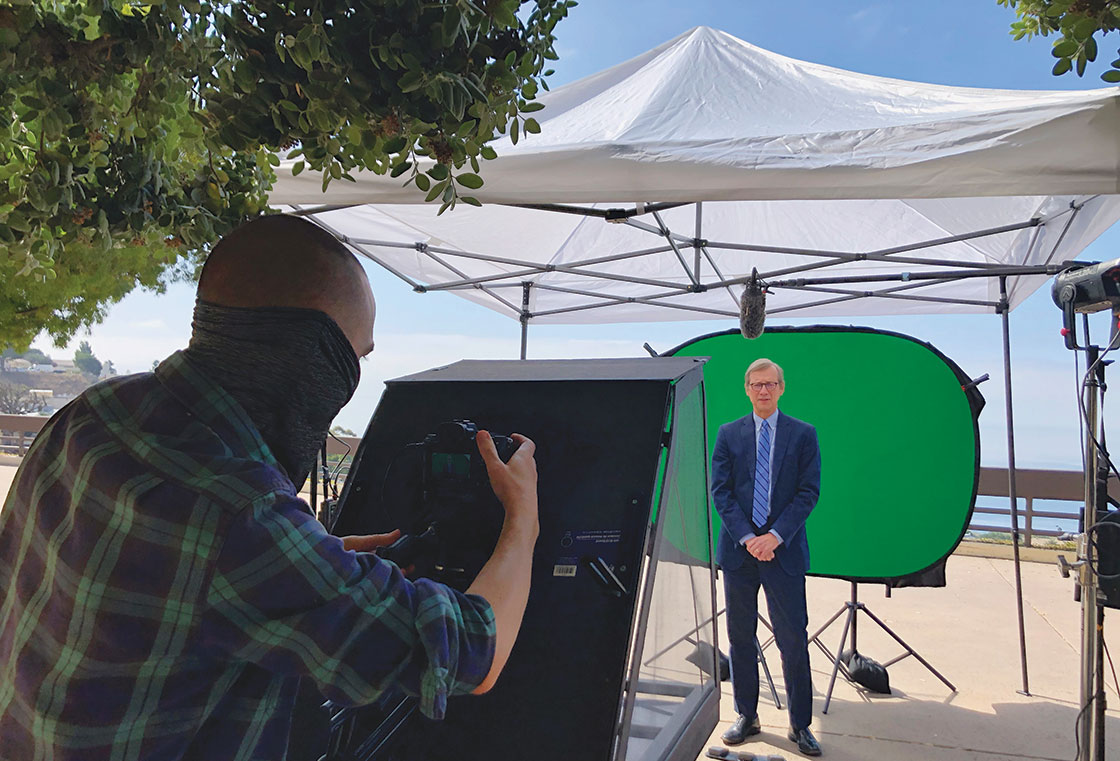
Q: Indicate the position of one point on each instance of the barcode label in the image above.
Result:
(564, 570)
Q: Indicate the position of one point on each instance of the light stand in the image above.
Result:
(1084, 290)
(853, 607)
(1090, 719)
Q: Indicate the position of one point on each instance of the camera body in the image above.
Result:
(453, 466)
(455, 517)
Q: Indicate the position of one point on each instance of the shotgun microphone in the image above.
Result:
(752, 307)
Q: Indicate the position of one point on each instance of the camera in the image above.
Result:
(453, 466)
(456, 519)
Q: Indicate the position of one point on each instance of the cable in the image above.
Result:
(1115, 682)
(1081, 417)
(1082, 403)
(341, 462)
(1077, 725)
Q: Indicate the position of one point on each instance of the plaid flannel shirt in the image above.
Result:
(164, 589)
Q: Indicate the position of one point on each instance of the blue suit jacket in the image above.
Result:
(795, 486)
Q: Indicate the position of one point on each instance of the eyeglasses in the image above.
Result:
(769, 386)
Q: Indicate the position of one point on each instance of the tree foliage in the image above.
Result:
(1075, 23)
(18, 400)
(85, 360)
(140, 133)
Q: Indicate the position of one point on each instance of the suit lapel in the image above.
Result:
(749, 444)
(781, 444)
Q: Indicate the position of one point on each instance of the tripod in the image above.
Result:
(689, 638)
(852, 607)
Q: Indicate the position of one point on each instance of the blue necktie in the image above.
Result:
(761, 509)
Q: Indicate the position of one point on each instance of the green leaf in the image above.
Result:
(297, 168)
(1062, 66)
(423, 182)
(489, 153)
(438, 172)
(1085, 28)
(514, 128)
(400, 169)
(1112, 76)
(411, 81)
(470, 200)
(529, 108)
(532, 126)
(1064, 49)
(451, 21)
(394, 145)
(468, 180)
(436, 190)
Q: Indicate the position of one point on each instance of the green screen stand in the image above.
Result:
(852, 607)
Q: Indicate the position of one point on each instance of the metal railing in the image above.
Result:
(18, 431)
(1065, 487)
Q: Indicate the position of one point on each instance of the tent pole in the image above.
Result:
(696, 241)
(525, 316)
(1004, 309)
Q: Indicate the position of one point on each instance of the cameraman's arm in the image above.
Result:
(504, 580)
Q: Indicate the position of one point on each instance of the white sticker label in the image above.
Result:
(564, 570)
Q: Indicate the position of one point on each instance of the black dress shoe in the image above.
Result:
(806, 743)
(741, 730)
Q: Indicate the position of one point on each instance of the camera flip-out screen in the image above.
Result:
(614, 657)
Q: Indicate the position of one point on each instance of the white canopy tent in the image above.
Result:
(713, 157)
(658, 185)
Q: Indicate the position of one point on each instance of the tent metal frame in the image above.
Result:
(702, 273)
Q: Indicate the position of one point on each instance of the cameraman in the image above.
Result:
(164, 589)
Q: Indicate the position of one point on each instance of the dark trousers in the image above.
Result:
(785, 599)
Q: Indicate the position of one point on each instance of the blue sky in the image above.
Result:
(952, 42)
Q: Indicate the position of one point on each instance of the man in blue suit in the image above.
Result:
(766, 476)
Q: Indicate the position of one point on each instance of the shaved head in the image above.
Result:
(285, 261)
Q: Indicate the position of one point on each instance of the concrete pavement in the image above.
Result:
(969, 632)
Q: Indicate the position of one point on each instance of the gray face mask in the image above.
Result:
(291, 369)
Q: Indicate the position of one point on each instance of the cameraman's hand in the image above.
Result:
(370, 542)
(504, 580)
(515, 482)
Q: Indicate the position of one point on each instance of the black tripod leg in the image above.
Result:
(816, 638)
(766, 670)
(909, 649)
(839, 652)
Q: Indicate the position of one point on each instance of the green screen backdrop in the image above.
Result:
(900, 447)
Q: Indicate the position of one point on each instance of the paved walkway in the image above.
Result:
(968, 631)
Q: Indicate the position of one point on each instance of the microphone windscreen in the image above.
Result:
(752, 310)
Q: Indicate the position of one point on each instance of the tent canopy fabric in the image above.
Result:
(686, 168)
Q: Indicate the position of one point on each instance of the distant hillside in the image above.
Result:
(66, 385)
